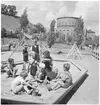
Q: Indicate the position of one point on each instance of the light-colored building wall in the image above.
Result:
(90, 34)
(66, 25)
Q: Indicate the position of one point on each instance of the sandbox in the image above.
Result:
(46, 96)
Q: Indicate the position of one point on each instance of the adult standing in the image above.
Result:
(35, 48)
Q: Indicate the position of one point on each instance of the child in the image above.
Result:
(64, 79)
(47, 60)
(35, 48)
(19, 85)
(41, 74)
(10, 68)
(32, 67)
(25, 57)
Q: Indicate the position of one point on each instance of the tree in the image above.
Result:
(51, 39)
(32, 29)
(3, 32)
(51, 36)
(69, 38)
(8, 10)
(4, 9)
(24, 21)
(40, 28)
(11, 10)
(79, 30)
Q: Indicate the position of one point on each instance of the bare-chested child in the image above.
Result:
(10, 68)
(64, 79)
(20, 85)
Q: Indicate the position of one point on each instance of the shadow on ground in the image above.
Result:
(71, 93)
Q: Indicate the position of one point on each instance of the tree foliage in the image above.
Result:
(51, 36)
(79, 30)
(3, 32)
(24, 21)
(51, 39)
(8, 10)
(40, 28)
(69, 38)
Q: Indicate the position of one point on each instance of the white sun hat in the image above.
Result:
(42, 65)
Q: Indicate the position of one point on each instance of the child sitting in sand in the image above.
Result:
(47, 60)
(19, 85)
(41, 74)
(64, 79)
(10, 68)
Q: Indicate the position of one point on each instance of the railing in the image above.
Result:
(95, 54)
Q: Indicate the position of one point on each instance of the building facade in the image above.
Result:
(66, 26)
(90, 34)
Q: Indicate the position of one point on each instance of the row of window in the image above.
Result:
(65, 30)
(66, 23)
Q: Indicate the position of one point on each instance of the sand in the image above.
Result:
(88, 92)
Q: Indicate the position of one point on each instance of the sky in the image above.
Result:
(45, 11)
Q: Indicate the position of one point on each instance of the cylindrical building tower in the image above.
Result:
(66, 26)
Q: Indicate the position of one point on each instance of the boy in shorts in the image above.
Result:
(20, 85)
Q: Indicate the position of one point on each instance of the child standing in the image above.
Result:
(35, 48)
(25, 57)
(32, 67)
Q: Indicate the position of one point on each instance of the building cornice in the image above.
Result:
(67, 17)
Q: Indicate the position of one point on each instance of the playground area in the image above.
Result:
(88, 92)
